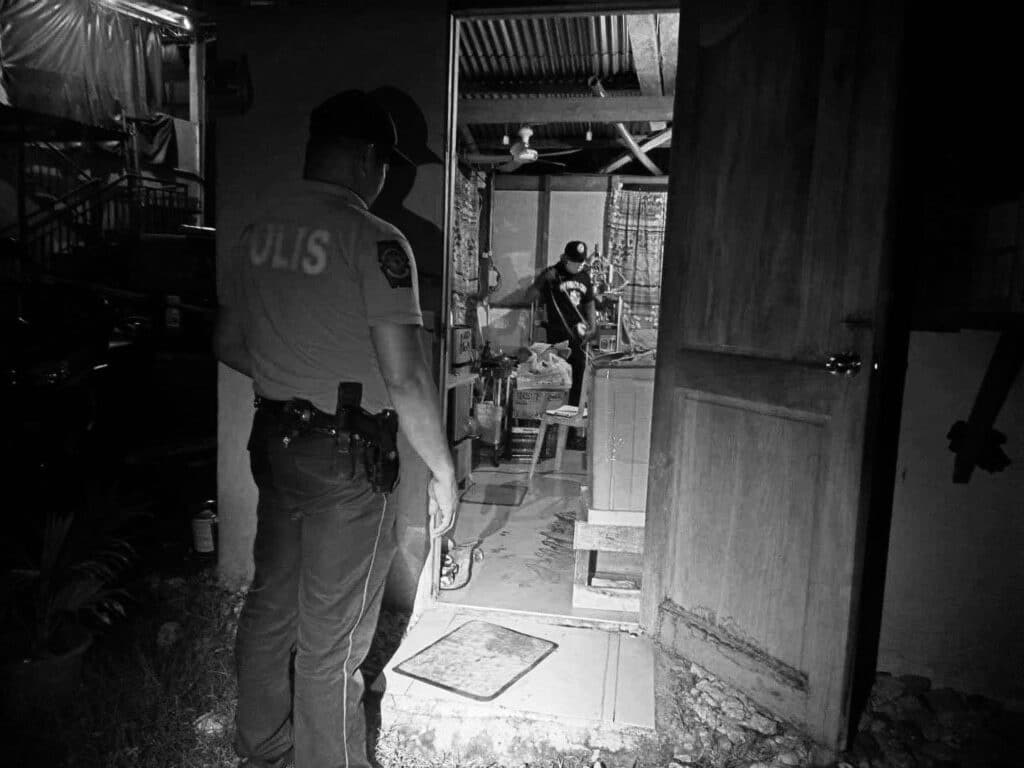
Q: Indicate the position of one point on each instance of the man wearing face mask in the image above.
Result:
(568, 295)
(322, 310)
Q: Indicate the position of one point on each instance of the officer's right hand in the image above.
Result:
(444, 495)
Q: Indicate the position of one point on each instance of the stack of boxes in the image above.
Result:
(527, 407)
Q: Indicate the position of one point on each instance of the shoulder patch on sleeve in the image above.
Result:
(394, 263)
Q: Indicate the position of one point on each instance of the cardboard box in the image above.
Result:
(607, 339)
(531, 403)
(619, 435)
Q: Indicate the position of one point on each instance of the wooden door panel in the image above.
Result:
(775, 249)
(753, 480)
(753, 176)
(794, 387)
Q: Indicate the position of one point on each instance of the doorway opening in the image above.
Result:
(563, 137)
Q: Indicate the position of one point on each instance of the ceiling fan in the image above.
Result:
(521, 152)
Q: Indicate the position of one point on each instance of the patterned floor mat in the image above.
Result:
(479, 660)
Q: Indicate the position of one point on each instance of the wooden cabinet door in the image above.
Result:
(775, 260)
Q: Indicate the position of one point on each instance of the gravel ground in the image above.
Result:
(160, 693)
(910, 724)
(907, 724)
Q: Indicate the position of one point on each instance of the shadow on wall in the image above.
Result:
(955, 577)
(517, 298)
(427, 243)
(424, 236)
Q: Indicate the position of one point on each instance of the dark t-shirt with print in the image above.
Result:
(565, 297)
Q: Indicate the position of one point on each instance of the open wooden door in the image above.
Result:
(774, 290)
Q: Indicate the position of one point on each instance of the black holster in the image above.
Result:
(374, 435)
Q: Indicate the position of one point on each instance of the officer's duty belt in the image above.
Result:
(301, 411)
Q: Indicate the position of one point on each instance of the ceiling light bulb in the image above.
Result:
(590, 135)
(504, 140)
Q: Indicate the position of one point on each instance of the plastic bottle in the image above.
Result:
(204, 529)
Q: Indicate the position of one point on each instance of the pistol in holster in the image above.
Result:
(374, 435)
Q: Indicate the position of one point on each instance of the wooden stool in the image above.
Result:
(564, 424)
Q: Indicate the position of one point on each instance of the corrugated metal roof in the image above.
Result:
(556, 49)
(554, 56)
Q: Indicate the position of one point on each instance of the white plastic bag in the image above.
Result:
(488, 417)
(545, 369)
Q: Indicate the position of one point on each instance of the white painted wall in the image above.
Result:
(576, 216)
(954, 595)
(514, 215)
(515, 222)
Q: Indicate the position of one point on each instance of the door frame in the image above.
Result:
(458, 10)
(891, 342)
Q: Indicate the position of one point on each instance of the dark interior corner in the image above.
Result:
(959, 154)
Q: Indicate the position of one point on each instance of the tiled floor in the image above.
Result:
(528, 556)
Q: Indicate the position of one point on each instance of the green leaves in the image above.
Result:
(66, 581)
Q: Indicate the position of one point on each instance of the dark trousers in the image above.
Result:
(324, 544)
(577, 360)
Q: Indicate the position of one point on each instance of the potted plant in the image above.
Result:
(55, 594)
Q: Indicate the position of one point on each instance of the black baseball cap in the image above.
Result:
(357, 115)
(575, 250)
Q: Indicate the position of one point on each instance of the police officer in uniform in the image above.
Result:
(324, 292)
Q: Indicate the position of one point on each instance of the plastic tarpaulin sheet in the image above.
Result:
(157, 140)
(78, 59)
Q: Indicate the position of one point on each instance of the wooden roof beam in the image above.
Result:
(556, 144)
(583, 109)
(655, 141)
(668, 44)
(644, 42)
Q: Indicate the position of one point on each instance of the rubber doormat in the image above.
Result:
(479, 659)
(504, 495)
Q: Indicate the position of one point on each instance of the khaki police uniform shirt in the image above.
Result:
(314, 272)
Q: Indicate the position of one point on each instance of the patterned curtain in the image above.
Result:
(635, 239)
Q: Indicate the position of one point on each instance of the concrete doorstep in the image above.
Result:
(595, 691)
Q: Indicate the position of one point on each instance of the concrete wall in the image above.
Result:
(514, 222)
(572, 215)
(576, 216)
(298, 57)
(954, 595)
